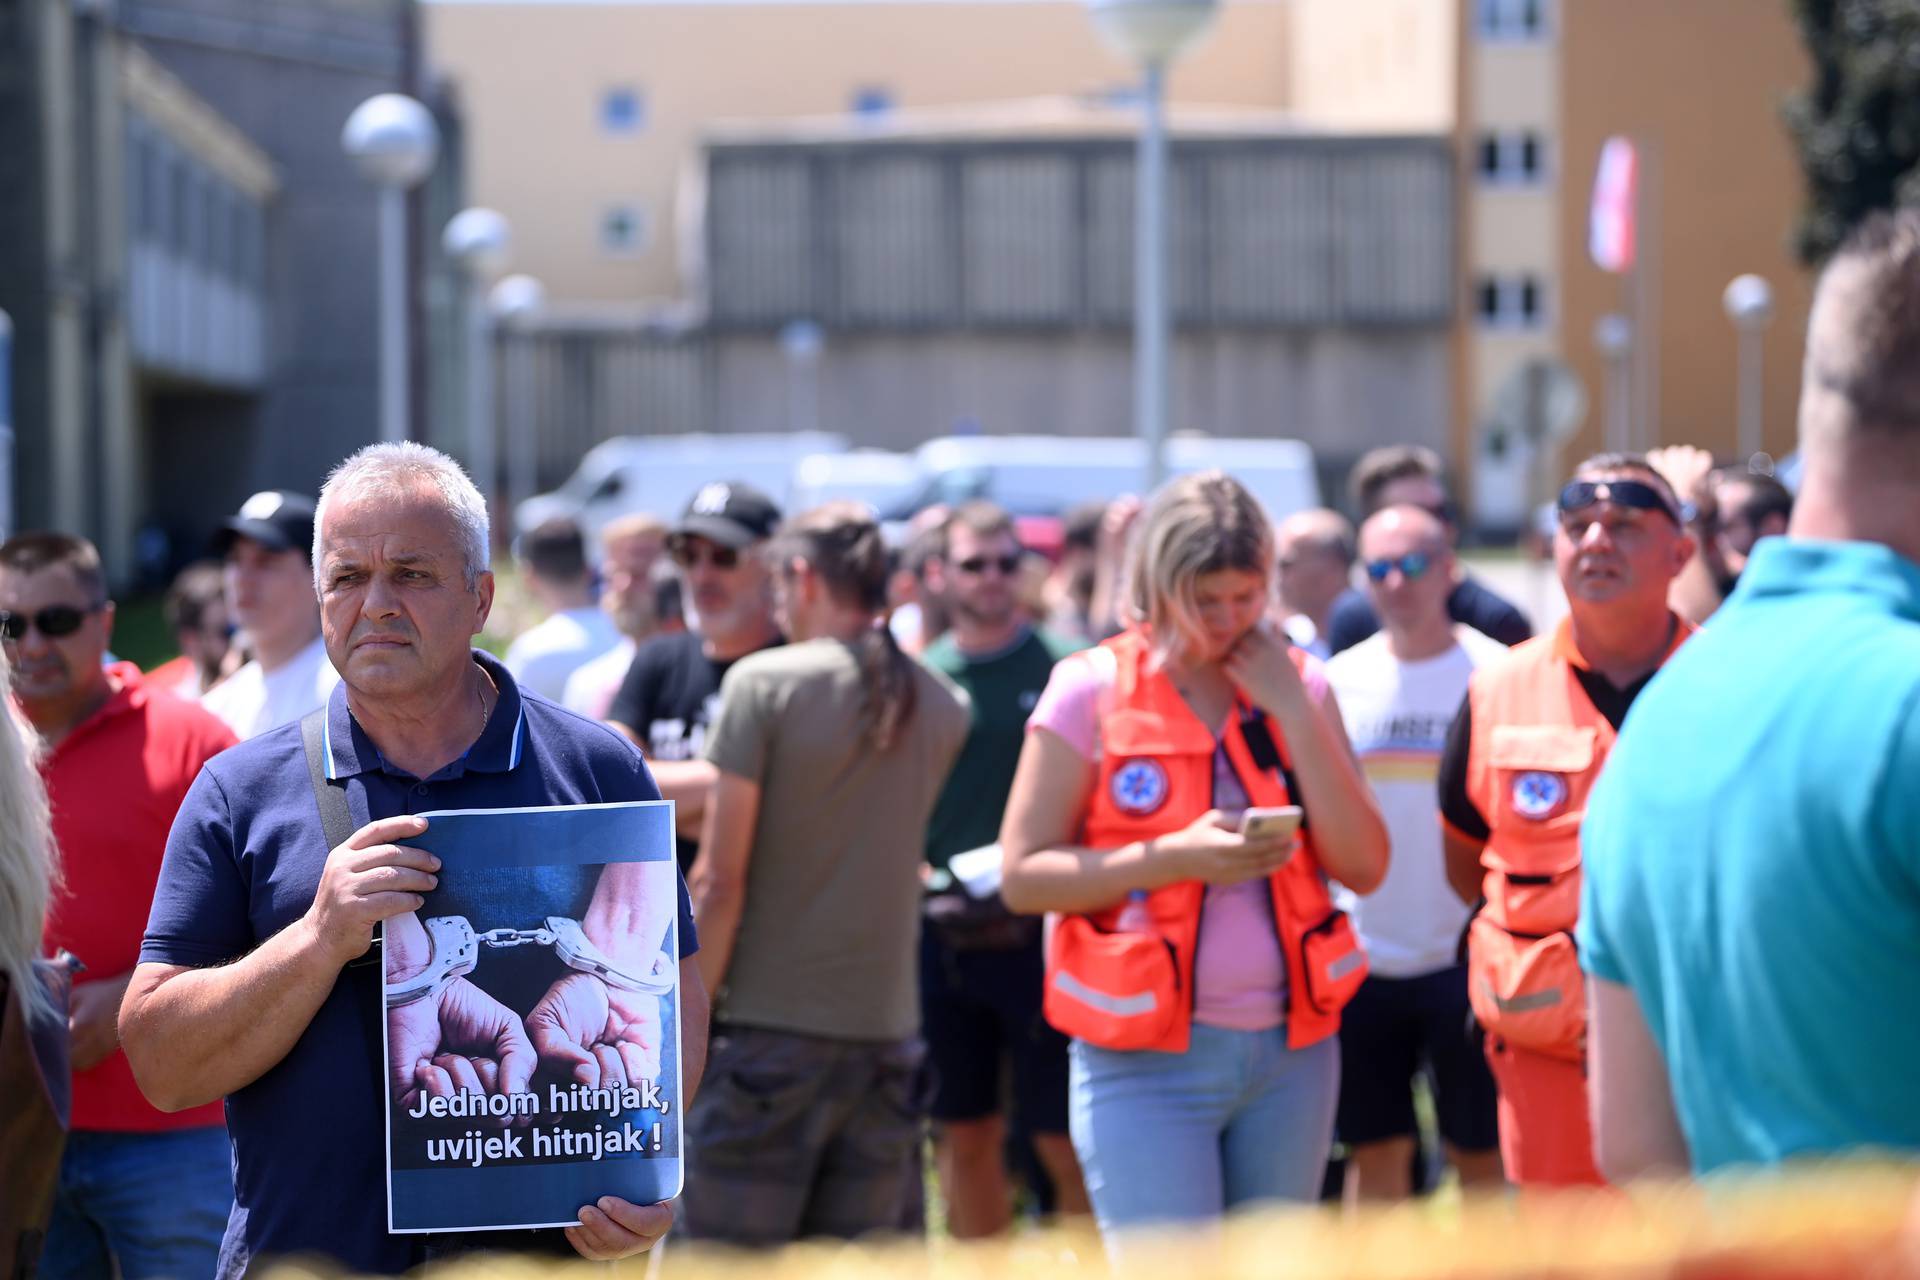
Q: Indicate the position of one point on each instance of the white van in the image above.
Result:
(1050, 475)
(878, 477)
(660, 475)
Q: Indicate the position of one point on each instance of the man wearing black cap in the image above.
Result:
(672, 692)
(268, 548)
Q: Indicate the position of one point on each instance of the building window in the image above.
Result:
(623, 110)
(872, 100)
(1513, 19)
(1512, 159)
(1511, 302)
(623, 231)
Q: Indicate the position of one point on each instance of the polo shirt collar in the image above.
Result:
(499, 748)
(1567, 651)
(129, 693)
(1796, 566)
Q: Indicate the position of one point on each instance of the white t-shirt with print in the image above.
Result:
(252, 701)
(1397, 714)
(545, 655)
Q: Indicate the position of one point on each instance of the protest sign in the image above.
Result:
(532, 1028)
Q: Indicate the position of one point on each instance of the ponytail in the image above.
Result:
(842, 544)
(886, 675)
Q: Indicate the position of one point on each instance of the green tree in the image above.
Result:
(1858, 125)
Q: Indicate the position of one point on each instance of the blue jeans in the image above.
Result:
(152, 1206)
(1184, 1137)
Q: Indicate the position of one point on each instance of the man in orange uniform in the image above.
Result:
(1523, 753)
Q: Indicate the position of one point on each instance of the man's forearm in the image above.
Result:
(718, 910)
(695, 1007)
(688, 783)
(1465, 873)
(194, 1036)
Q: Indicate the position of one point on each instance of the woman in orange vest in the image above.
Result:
(1200, 973)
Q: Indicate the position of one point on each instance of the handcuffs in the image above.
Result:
(454, 948)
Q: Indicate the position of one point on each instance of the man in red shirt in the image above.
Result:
(141, 1192)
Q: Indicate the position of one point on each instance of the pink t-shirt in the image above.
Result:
(1240, 975)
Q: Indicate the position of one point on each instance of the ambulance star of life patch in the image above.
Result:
(1539, 795)
(1139, 787)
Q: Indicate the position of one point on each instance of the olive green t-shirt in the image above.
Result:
(829, 932)
(1003, 687)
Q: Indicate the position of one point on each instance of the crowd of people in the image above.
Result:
(1138, 868)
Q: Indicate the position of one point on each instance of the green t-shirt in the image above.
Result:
(1003, 687)
(830, 928)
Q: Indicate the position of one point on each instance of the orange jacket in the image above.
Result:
(1131, 990)
(1538, 747)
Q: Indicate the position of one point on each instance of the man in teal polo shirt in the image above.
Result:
(1751, 911)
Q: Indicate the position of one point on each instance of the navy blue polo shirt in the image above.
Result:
(243, 862)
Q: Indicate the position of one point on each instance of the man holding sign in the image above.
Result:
(290, 1031)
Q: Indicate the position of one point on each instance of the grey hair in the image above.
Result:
(400, 469)
(27, 864)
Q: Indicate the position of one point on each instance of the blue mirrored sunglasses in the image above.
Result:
(1412, 564)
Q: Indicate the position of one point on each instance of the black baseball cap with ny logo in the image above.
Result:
(729, 513)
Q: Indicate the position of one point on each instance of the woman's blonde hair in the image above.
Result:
(26, 853)
(1195, 525)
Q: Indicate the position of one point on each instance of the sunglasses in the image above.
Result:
(1007, 565)
(689, 553)
(1412, 565)
(54, 621)
(1632, 494)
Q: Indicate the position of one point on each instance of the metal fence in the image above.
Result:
(1302, 268)
(1279, 232)
(564, 389)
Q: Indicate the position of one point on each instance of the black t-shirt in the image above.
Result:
(1456, 806)
(1353, 619)
(669, 699)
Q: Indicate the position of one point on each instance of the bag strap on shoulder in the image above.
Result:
(366, 974)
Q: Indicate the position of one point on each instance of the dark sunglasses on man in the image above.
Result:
(977, 565)
(53, 622)
(1635, 495)
(688, 552)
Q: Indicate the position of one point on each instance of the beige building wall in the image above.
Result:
(531, 79)
(1512, 234)
(1703, 83)
(1384, 65)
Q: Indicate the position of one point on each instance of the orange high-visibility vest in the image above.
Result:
(1538, 746)
(1134, 990)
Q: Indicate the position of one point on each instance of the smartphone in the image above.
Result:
(1270, 824)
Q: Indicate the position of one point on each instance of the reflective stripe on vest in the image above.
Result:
(1119, 1006)
(1522, 1004)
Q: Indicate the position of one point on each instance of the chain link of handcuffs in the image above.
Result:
(455, 952)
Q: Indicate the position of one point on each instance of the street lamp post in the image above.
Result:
(801, 342)
(515, 301)
(477, 241)
(1749, 304)
(1152, 33)
(394, 141)
(1613, 335)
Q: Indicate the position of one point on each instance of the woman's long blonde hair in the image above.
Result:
(1195, 525)
(26, 853)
